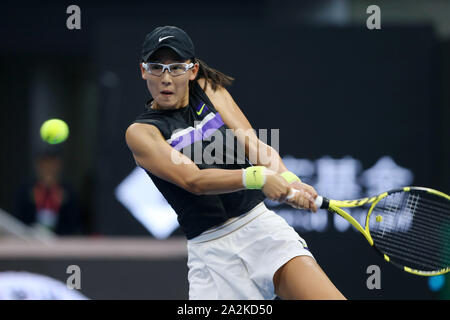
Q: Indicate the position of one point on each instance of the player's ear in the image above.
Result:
(142, 71)
(194, 71)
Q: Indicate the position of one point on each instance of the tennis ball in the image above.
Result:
(54, 131)
(379, 218)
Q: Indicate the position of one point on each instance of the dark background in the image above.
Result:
(309, 68)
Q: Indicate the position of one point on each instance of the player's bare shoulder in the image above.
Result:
(219, 96)
(137, 133)
(203, 84)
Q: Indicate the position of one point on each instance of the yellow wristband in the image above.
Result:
(290, 177)
(253, 177)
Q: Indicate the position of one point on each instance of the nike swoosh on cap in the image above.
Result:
(163, 38)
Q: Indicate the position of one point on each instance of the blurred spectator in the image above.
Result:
(47, 201)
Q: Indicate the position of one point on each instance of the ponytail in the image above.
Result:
(213, 77)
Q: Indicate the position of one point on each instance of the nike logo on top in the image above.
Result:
(163, 38)
(201, 110)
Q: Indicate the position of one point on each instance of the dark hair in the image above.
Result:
(213, 77)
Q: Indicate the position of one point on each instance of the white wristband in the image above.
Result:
(243, 179)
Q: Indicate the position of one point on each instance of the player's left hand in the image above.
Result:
(305, 187)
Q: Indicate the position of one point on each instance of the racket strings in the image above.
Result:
(414, 230)
(398, 249)
(418, 237)
(432, 216)
(436, 211)
(426, 221)
(417, 261)
(431, 225)
(441, 211)
(414, 242)
(398, 253)
(396, 241)
(430, 222)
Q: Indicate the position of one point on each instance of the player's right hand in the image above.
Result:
(301, 199)
(278, 189)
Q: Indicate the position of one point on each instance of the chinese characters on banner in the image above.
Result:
(341, 179)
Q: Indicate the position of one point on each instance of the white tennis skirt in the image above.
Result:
(238, 259)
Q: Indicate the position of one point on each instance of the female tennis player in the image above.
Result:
(237, 248)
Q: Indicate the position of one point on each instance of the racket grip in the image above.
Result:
(319, 202)
(291, 194)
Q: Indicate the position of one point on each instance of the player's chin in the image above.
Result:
(166, 101)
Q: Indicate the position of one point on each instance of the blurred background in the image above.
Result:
(359, 111)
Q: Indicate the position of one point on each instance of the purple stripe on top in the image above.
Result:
(198, 134)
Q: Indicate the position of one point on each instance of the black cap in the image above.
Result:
(170, 37)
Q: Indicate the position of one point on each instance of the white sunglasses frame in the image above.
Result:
(167, 67)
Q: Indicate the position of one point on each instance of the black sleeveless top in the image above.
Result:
(199, 132)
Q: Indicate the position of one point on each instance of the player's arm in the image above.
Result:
(152, 152)
(255, 149)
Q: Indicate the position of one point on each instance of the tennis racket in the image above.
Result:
(409, 227)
